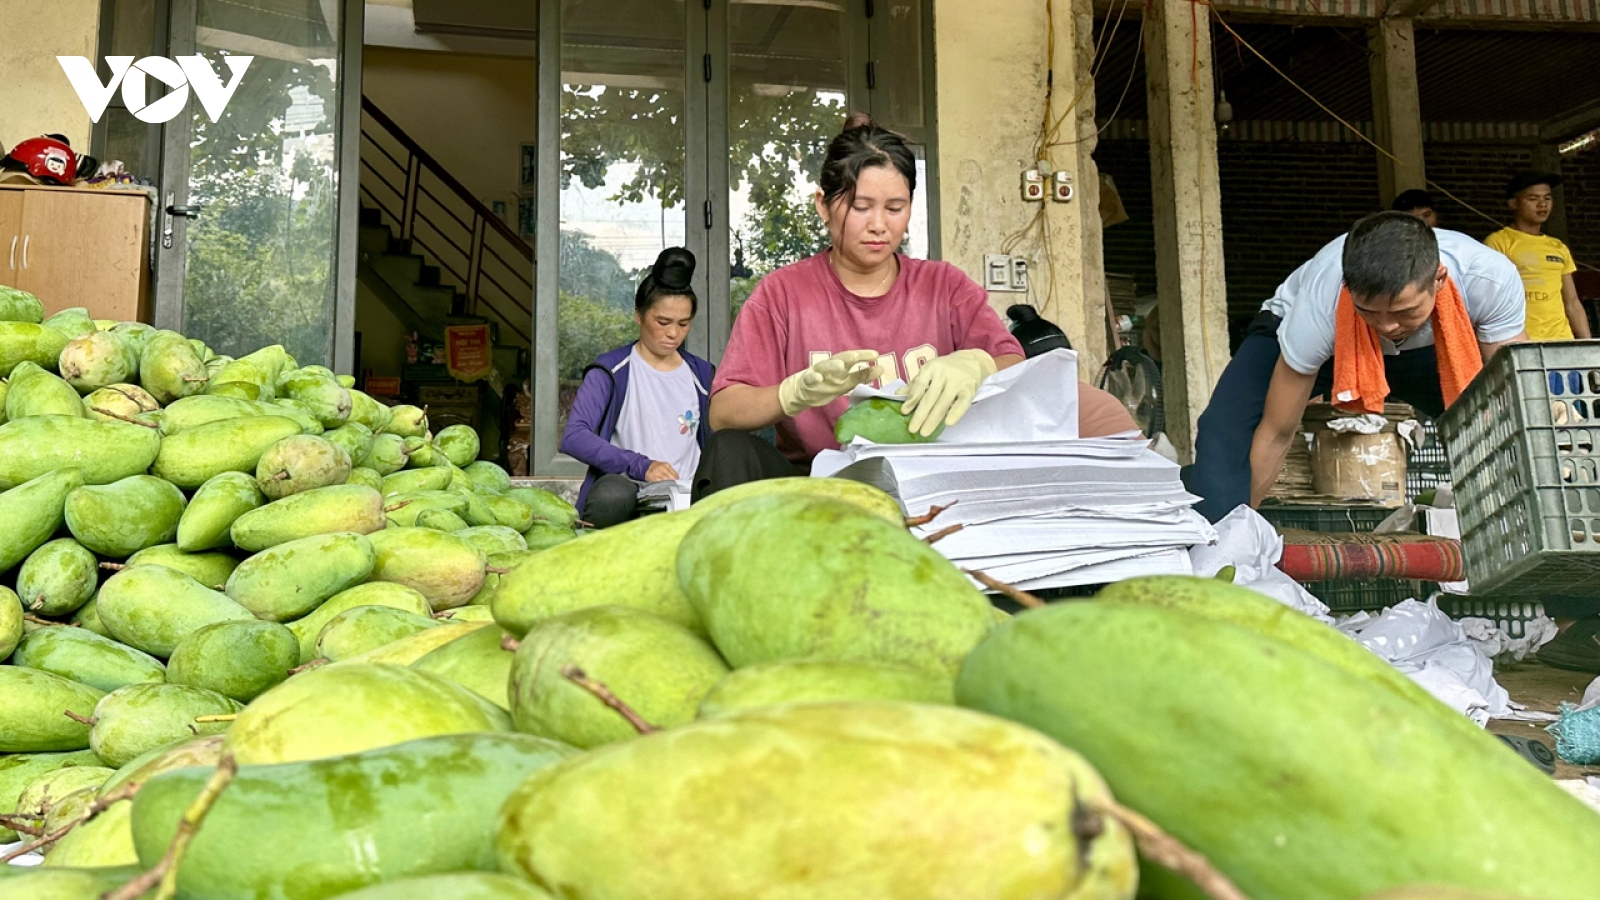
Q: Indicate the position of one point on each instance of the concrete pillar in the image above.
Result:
(998, 49)
(1188, 218)
(1547, 158)
(1396, 109)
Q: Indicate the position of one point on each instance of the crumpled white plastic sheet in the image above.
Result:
(1371, 423)
(1253, 547)
(1453, 661)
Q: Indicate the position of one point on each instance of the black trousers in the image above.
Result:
(733, 458)
(1220, 475)
(612, 500)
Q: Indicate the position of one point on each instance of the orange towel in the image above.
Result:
(1359, 383)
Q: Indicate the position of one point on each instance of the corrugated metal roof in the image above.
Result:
(1463, 76)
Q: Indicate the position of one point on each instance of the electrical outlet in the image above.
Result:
(1033, 186)
(1061, 187)
(1019, 274)
(996, 272)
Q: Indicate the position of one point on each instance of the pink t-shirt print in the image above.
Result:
(802, 313)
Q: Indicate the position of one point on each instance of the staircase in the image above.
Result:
(430, 250)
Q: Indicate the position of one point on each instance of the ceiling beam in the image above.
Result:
(1571, 124)
(1407, 9)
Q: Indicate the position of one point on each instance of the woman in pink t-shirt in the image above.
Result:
(858, 312)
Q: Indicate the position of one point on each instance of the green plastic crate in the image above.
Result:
(1524, 445)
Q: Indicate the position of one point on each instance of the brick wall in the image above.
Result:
(1281, 201)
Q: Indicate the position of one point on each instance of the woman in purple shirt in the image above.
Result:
(640, 414)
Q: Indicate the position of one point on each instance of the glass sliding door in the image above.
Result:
(250, 234)
(624, 165)
(787, 90)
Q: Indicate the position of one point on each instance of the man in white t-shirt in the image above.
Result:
(1394, 266)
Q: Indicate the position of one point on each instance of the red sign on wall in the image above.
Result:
(383, 385)
(469, 354)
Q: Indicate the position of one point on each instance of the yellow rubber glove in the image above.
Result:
(944, 388)
(828, 380)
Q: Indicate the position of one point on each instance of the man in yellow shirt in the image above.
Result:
(1545, 263)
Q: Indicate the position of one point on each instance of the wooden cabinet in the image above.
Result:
(78, 247)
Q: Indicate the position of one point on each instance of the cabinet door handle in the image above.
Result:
(25, 240)
(11, 263)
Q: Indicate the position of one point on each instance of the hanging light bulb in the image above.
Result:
(1224, 112)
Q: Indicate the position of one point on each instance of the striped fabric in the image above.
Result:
(1308, 556)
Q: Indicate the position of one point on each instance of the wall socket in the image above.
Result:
(1005, 273)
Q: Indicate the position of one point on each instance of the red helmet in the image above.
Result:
(47, 158)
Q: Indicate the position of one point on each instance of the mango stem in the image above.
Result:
(507, 642)
(577, 677)
(306, 667)
(100, 805)
(30, 617)
(1168, 852)
(122, 418)
(394, 506)
(942, 533)
(932, 513)
(81, 720)
(113, 566)
(221, 717)
(494, 570)
(165, 872)
(1010, 590)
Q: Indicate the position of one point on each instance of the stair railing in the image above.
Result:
(474, 250)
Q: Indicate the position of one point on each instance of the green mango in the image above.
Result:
(288, 580)
(58, 578)
(489, 476)
(412, 647)
(456, 885)
(27, 342)
(329, 402)
(349, 707)
(855, 493)
(210, 569)
(301, 411)
(124, 517)
(407, 421)
(1247, 747)
(88, 618)
(376, 593)
(419, 808)
(387, 456)
(461, 483)
(233, 390)
(96, 360)
(823, 681)
(404, 508)
(300, 463)
(368, 477)
(42, 883)
(443, 567)
(32, 512)
(368, 411)
(136, 719)
(151, 608)
(485, 595)
(102, 842)
(657, 667)
(192, 412)
(458, 443)
(17, 769)
(440, 520)
(325, 510)
(137, 334)
(543, 536)
(469, 614)
(510, 512)
(71, 323)
(202, 351)
(208, 520)
(239, 660)
(510, 559)
(118, 403)
(191, 456)
(354, 437)
(17, 305)
(477, 512)
(876, 800)
(10, 625)
(493, 539)
(410, 481)
(31, 719)
(88, 658)
(629, 564)
(170, 369)
(547, 507)
(5, 388)
(420, 453)
(39, 393)
(880, 421)
(869, 591)
(45, 791)
(364, 628)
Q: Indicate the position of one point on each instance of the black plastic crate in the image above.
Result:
(1350, 596)
(1524, 444)
(1428, 465)
(1324, 519)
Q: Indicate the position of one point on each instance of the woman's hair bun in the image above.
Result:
(674, 269)
(860, 120)
(1021, 312)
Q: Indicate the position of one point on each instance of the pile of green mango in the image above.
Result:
(433, 686)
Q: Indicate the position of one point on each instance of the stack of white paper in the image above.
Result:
(1039, 508)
